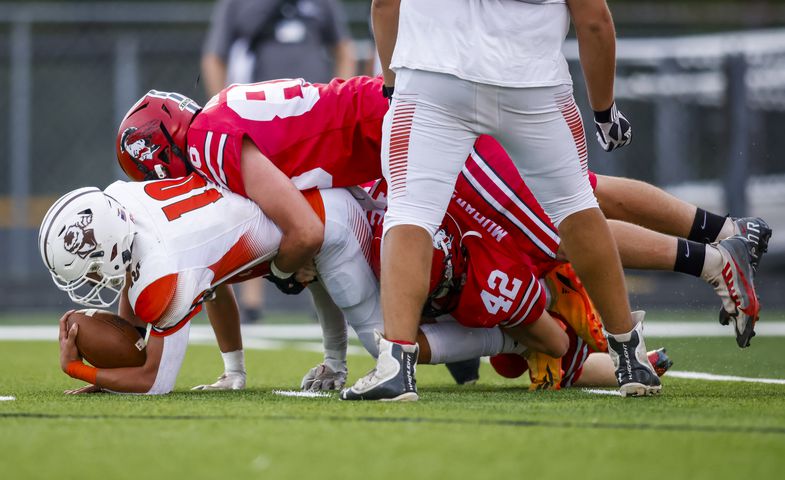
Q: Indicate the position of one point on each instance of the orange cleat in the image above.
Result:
(571, 302)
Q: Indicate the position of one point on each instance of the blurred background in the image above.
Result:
(702, 82)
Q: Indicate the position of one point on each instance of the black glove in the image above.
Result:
(613, 129)
(387, 92)
(287, 285)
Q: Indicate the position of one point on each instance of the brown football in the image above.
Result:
(106, 340)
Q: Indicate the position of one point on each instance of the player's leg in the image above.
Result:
(450, 342)
(544, 136)
(344, 269)
(644, 204)
(543, 335)
(252, 297)
(727, 266)
(423, 150)
(224, 317)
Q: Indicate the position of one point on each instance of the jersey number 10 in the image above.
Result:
(165, 190)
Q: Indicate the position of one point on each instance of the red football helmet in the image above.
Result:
(448, 269)
(151, 138)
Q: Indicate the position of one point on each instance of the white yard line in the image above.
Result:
(7, 398)
(722, 378)
(299, 393)
(600, 391)
(708, 329)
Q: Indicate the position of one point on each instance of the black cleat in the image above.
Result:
(758, 233)
(392, 379)
(634, 373)
(465, 372)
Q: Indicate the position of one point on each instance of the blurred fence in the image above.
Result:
(707, 112)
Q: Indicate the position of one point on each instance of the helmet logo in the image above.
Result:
(138, 145)
(79, 239)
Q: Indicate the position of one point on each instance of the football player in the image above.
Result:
(506, 243)
(249, 138)
(322, 135)
(263, 141)
(163, 247)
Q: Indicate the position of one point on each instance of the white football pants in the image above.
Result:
(435, 119)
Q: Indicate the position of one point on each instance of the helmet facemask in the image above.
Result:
(443, 296)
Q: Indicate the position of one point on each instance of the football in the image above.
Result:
(106, 340)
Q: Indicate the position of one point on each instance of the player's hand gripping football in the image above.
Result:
(322, 377)
(68, 351)
(613, 129)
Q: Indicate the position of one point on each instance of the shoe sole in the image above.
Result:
(404, 397)
(741, 253)
(639, 390)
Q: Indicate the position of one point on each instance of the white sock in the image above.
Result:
(712, 263)
(234, 361)
(452, 342)
(637, 319)
(510, 345)
(728, 229)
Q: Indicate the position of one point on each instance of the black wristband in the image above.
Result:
(604, 116)
(387, 92)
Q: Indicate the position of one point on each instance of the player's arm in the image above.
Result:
(345, 59)
(130, 380)
(597, 47)
(384, 17)
(302, 230)
(214, 73)
(164, 356)
(125, 310)
(224, 316)
(218, 40)
(330, 374)
(156, 377)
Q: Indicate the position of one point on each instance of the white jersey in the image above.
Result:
(508, 43)
(190, 237)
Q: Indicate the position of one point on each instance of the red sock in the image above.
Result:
(400, 342)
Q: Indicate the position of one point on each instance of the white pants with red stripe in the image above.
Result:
(435, 119)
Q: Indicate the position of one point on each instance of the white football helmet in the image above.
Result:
(85, 241)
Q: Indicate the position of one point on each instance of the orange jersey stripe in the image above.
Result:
(314, 198)
(155, 298)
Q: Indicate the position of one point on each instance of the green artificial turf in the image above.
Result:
(496, 429)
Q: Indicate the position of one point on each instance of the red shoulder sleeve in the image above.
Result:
(215, 151)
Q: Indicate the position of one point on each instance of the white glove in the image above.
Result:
(322, 377)
(613, 129)
(227, 381)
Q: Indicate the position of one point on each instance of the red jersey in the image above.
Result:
(319, 135)
(508, 240)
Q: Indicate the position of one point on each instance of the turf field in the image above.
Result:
(496, 429)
